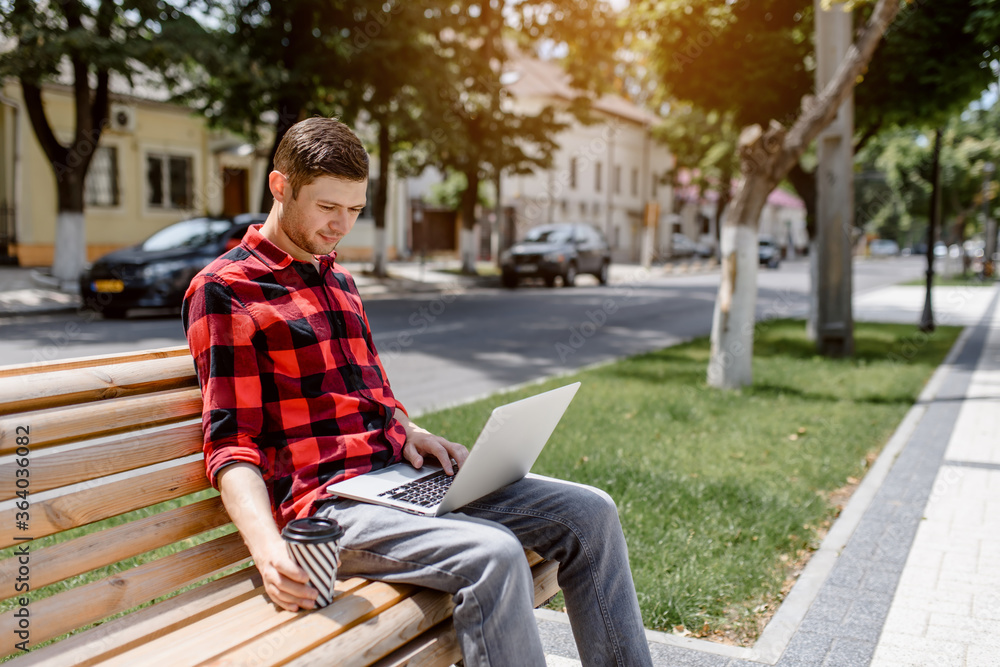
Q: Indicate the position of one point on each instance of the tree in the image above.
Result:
(897, 172)
(390, 94)
(930, 64)
(703, 144)
(274, 64)
(478, 134)
(90, 40)
(766, 157)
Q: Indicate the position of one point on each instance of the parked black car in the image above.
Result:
(561, 250)
(157, 272)
(768, 252)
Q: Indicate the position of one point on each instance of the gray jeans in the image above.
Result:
(476, 554)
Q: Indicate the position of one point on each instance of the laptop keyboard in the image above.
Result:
(425, 492)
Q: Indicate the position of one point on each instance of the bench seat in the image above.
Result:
(128, 537)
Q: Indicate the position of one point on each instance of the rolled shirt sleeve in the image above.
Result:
(220, 334)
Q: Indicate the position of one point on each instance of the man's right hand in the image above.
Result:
(245, 498)
(284, 581)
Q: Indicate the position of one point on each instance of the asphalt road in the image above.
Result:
(448, 348)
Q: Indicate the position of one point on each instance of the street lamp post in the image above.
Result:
(989, 225)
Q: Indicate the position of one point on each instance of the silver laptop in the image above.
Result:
(504, 452)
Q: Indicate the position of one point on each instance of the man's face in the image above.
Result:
(322, 214)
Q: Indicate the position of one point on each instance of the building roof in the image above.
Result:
(544, 78)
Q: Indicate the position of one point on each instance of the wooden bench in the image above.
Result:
(113, 458)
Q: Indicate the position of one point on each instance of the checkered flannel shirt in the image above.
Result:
(289, 374)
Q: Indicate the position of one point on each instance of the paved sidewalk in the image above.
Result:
(909, 575)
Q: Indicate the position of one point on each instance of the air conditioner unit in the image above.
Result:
(122, 118)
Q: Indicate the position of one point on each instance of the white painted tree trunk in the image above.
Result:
(646, 251)
(380, 251)
(70, 249)
(766, 157)
(467, 242)
(730, 364)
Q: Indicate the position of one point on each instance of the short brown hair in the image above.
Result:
(317, 147)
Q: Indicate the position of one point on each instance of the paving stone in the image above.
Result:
(850, 653)
(805, 648)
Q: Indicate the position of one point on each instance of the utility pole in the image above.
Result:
(832, 321)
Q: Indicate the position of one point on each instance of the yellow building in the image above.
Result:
(155, 164)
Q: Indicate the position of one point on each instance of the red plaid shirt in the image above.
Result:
(290, 377)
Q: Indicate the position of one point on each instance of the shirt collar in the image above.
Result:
(273, 256)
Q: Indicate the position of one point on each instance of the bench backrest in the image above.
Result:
(83, 444)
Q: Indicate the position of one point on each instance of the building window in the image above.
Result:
(635, 182)
(101, 186)
(597, 177)
(170, 179)
(618, 179)
(572, 173)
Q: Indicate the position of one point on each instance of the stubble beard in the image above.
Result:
(310, 244)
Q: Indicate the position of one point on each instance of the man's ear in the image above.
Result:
(280, 188)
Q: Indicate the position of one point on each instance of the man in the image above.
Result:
(295, 398)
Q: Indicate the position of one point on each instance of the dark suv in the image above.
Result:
(157, 272)
(561, 250)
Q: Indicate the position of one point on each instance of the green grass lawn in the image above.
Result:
(721, 493)
(965, 280)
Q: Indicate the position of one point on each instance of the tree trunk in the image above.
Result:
(765, 159)
(289, 111)
(730, 364)
(467, 235)
(381, 196)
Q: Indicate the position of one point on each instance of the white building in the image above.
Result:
(604, 174)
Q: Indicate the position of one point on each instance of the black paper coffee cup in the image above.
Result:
(314, 543)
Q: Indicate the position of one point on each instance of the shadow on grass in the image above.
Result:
(764, 389)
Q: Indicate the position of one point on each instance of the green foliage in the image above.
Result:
(933, 61)
(894, 191)
(702, 143)
(448, 193)
(104, 36)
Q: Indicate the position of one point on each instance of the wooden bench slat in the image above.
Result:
(66, 611)
(268, 628)
(437, 646)
(122, 452)
(126, 632)
(95, 501)
(393, 628)
(89, 552)
(96, 360)
(69, 387)
(58, 425)
(380, 635)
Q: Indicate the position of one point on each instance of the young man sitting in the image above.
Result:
(295, 398)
